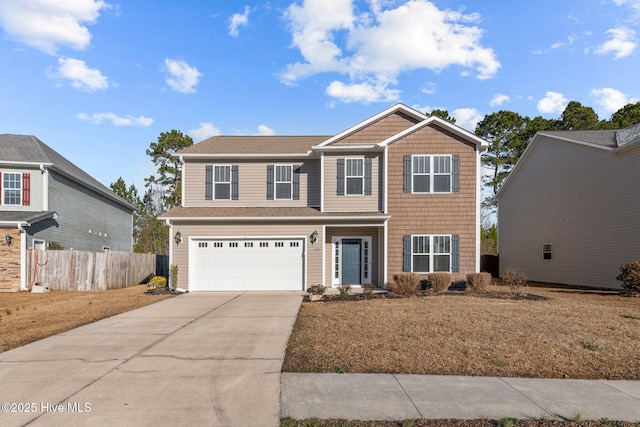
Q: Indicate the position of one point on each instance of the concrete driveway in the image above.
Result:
(198, 359)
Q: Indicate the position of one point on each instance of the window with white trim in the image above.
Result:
(354, 176)
(546, 252)
(222, 182)
(284, 181)
(11, 188)
(430, 254)
(431, 174)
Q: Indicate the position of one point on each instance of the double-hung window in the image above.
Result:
(431, 253)
(12, 188)
(432, 174)
(284, 181)
(354, 176)
(222, 182)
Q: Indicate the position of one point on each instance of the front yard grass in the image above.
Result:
(26, 317)
(572, 334)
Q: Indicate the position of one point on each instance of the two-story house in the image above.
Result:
(45, 201)
(397, 192)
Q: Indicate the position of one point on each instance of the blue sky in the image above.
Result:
(99, 80)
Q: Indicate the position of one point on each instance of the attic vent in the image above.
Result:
(628, 134)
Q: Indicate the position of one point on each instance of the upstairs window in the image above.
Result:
(354, 176)
(221, 182)
(546, 252)
(432, 174)
(283, 182)
(11, 188)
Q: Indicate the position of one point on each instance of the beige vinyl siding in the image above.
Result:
(433, 214)
(313, 253)
(583, 201)
(252, 183)
(380, 130)
(351, 203)
(351, 231)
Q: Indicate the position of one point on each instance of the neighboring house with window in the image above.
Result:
(568, 212)
(397, 192)
(45, 201)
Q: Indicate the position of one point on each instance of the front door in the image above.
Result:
(351, 261)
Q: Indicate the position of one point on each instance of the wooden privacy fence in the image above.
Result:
(72, 270)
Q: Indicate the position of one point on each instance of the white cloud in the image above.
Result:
(238, 20)
(182, 77)
(467, 118)
(205, 130)
(611, 100)
(81, 76)
(362, 92)
(623, 43)
(553, 102)
(633, 4)
(98, 118)
(374, 47)
(265, 130)
(48, 25)
(499, 99)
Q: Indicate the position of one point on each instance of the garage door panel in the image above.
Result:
(247, 264)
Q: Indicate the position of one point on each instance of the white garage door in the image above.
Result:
(246, 264)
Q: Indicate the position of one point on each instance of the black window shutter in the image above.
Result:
(406, 253)
(270, 182)
(208, 182)
(407, 173)
(455, 173)
(367, 176)
(455, 253)
(234, 182)
(340, 176)
(296, 183)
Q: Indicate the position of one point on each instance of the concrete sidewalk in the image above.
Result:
(401, 397)
(209, 359)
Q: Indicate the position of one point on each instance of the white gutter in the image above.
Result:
(45, 187)
(278, 218)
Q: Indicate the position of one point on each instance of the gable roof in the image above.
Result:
(397, 108)
(607, 140)
(457, 130)
(29, 150)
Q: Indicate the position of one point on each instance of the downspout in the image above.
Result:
(23, 258)
(45, 187)
(182, 185)
(478, 207)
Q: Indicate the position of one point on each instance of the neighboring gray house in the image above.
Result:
(46, 200)
(569, 212)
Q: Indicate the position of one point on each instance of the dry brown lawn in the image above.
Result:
(573, 334)
(27, 317)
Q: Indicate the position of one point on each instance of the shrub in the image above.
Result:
(344, 289)
(440, 282)
(630, 278)
(515, 279)
(174, 275)
(405, 284)
(478, 282)
(157, 282)
(316, 290)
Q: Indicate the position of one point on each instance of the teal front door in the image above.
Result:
(351, 261)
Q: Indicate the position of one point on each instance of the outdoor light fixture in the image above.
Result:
(178, 238)
(8, 238)
(314, 237)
